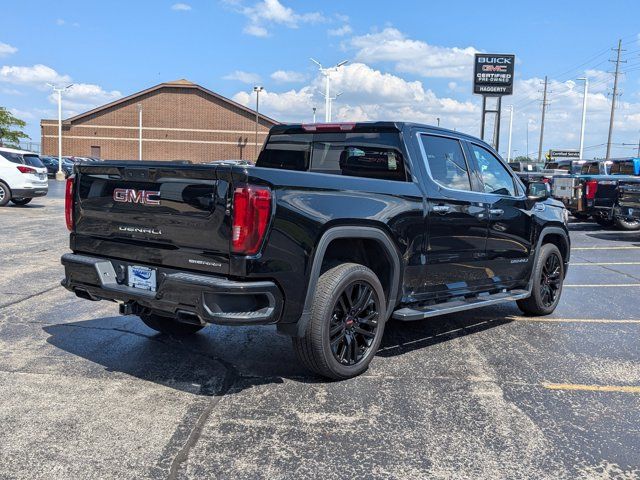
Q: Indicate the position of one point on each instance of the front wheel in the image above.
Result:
(169, 325)
(548, 275)
(20, 201)
(627, 225)
(346, 325)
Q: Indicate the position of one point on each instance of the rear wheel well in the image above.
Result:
(365, 251)
(559, 241)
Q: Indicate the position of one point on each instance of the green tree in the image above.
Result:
(11, 128)
(522, 158)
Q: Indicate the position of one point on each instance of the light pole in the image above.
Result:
(327, 97)
(59, 90)
(257, 89)
(584, 113)
(510, 130)
(314, 114)
(140, 131)
(438, 120)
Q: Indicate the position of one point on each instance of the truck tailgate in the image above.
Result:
(170, 214)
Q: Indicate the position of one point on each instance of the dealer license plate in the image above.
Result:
(143, 278)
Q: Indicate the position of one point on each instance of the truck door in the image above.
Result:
(456, 220)
(509, 226)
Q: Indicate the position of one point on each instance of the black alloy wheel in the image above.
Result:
(550, 280)
(354, 323)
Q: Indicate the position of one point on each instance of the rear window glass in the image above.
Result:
(358, 154)
(12, 157)
(590, 169)
(623, 168)
(32, 160)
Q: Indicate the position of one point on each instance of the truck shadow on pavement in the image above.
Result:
(220, 358)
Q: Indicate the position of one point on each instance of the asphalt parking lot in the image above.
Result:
(86, 393)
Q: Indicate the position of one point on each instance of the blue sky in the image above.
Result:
(408, 60)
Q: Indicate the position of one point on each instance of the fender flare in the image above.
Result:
(545, 232)
(334, 233)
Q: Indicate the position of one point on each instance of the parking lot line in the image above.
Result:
(593, 285)
(605, 248)
(584, 264)
(592, 388)
(573, 320)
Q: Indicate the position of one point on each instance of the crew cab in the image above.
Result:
(22, 176)
(336, 229)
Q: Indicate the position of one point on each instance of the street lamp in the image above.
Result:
(584, 113)
(327, 97)
(257, 89)
(510, 129)
(438, 120)
(314, 114)
(59, 90)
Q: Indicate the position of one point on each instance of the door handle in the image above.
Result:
(496, 211)
(441, 208)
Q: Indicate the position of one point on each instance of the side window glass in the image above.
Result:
(495, 176)
(446, 162)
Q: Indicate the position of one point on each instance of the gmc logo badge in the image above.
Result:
(129, 195)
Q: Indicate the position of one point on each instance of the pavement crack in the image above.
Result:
(28, 297)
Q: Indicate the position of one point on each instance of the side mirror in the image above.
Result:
(537, 191)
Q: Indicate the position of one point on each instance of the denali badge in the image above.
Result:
(129, 195)
(151, 231)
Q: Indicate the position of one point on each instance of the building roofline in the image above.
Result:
(176, 84)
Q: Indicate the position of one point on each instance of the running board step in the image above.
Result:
(408, 314)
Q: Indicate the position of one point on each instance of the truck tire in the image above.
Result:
(5, 194)
(548, 275)
(169, 325)
(346, 325)
(20, 201)
(627, 225)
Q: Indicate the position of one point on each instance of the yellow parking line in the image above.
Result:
(584, 264)
(592, 388)
(593, 285)
(572, 320)
(605, 248)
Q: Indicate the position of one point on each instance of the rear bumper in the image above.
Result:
(29, 192)
(212, 299)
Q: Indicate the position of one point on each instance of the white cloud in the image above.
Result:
(413, 56)
(37, 75)
(267, 13)
(244, 77)
(84, 96)
(60, 22)
(288, 76)
(293, 104)
(6, 49)
(181, 7)
(340, 31)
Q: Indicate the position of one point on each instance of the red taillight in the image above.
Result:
(24, 169)
(68, 202)
(545, 180)
(251, 214)
(591, 187)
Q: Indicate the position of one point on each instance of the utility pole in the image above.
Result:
(510, 130)
(438, 120)
(140, 131)
(257, 89)
(544, 111)
(584, 113)
(613, 98)
(59, 90)
(314, 114)
(327, 97)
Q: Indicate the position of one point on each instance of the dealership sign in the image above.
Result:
(564, 154)
(493, 74)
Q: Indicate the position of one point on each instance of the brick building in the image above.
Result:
(180, 121)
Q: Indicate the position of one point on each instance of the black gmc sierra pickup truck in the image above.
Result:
(337, 229)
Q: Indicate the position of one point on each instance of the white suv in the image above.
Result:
(22, 176)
